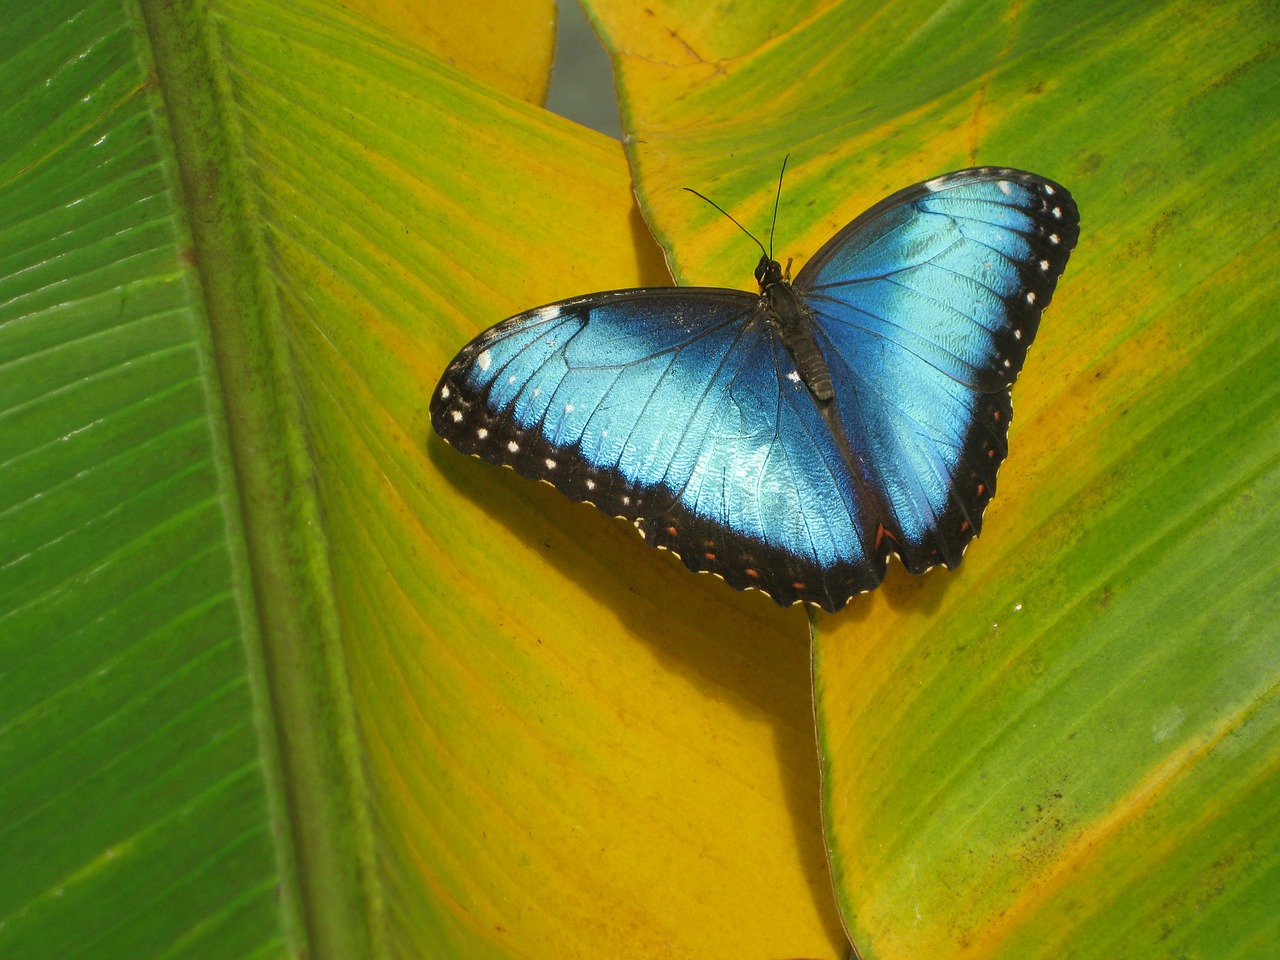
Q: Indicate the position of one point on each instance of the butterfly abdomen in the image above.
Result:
(795, 326)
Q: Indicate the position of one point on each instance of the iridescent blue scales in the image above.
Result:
(708, 418)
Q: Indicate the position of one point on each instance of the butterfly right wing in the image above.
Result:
(679, 409)
(924, 308)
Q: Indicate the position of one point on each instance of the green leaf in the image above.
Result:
(136, 817)
(471, 724)
(282, 674)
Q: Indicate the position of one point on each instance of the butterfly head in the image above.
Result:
(768, 273)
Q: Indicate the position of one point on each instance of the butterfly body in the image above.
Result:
(790, 440)
(795, 325)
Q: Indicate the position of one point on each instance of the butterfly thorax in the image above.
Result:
(785, 311)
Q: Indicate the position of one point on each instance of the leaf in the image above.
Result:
(365, 697)
(1098, 713)
(540, 766)
(510, 48)
(136, 813)
(451, 729)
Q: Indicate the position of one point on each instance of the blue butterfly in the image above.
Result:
(792, 440)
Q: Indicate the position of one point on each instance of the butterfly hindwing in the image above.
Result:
(682, 409)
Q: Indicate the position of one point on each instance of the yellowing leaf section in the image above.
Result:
(573, 748)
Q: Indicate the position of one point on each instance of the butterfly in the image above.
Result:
(790, 440)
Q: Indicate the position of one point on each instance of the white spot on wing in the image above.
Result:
(793, 376)
(1049, 190)
(591, 484)
(551, 464)
(513, 446)
(568, 408)
(547, 313)
(457, 415)
(936, 184)
(444, 392)
(1031, 296)
(484, 360)
(1005, 187)
(482, 432)
(1044, 266)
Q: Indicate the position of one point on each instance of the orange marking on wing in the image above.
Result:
(882, 535)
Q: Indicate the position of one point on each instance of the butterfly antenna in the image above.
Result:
(735, 222)
(776, 200)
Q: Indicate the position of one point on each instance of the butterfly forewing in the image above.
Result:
(681, 408)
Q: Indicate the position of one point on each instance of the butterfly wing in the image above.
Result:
(924, 308)
(679, 409)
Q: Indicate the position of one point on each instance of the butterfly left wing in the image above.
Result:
(679, 409)
(924, 308)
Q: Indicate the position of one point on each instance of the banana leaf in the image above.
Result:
(282, 674)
